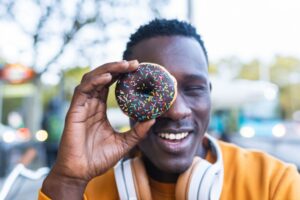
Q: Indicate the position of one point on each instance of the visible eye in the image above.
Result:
(195, 90)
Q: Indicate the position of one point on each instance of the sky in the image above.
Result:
(249, 29)
(245, 29)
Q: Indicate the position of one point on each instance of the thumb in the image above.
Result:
(137, 133)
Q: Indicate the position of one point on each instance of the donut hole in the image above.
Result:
(146, 90)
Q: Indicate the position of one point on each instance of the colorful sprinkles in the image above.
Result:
(147, 92)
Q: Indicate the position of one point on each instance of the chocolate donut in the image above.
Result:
(147, 92)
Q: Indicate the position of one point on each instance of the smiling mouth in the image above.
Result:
(173, 136)
(174, 142)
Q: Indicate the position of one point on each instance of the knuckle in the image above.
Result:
(77, 89)
(113, 67)
(108, 66)
(94, 81)
(125, 146)
(135, 134)
(118, 66)
(85, 77)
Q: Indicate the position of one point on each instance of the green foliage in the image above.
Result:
(75, 74)
(11, 104)
(285, 70)
(71, 78)
(48, 93)
(111, 99)
(213, 69)
(290, 100)
(100, 16)
(251, 70)
(229, 67)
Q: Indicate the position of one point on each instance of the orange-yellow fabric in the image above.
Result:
(164, 191)
(247, 175)
(42, 196)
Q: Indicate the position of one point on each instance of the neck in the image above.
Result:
(165, 177)
(157, 174)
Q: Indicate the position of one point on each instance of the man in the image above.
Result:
(90, 148)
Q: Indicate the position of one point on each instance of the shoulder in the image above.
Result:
(102, 187)
(254, 172)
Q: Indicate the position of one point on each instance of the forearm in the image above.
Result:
(59, 188)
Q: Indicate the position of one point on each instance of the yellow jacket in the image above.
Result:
(247, 175)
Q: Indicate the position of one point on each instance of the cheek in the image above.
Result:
(201, 110)
(146, 145)
(201, 106)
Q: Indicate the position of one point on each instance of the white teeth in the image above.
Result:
(173, 136)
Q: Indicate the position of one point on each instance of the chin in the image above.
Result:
(176, 165)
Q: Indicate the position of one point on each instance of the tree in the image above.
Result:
(78, 30)
(72, 77)
(65, 33)
(285, 72)
(251, 70)
(229, 67)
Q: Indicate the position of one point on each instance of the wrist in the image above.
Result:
(56, 186)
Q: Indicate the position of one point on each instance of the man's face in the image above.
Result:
(184, 58)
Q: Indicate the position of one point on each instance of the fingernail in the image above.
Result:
(106, 75)
(124, 61)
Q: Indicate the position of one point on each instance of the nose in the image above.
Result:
(179, 110)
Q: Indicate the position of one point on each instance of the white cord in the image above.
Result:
(20, 169)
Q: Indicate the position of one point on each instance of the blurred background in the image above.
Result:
(46, 47)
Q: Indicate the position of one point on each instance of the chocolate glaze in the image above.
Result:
(147, 92)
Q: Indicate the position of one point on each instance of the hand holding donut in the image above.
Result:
(147, 92)
(89, 145)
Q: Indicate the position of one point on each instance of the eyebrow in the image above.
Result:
(195, 77)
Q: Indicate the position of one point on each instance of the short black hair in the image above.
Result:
(163, 27)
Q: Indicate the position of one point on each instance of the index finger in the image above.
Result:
(114, 68)
(117, 67)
